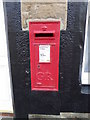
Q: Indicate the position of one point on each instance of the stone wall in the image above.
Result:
(71, 42)
(43, 11)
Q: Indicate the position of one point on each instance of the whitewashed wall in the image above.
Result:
(5, 88)
(86, 56)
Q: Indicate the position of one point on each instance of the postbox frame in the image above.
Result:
(46, 27)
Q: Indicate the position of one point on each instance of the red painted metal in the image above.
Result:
(44, 55)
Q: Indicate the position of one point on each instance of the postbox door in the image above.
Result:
(45, 68)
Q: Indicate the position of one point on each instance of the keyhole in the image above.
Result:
(38, 66)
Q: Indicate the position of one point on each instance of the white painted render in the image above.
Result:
(5, 87)
(86, 57)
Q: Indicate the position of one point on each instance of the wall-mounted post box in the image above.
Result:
(44, 55)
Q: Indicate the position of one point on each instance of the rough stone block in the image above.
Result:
(42, 11)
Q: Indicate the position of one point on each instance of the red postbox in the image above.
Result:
(44, 55)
